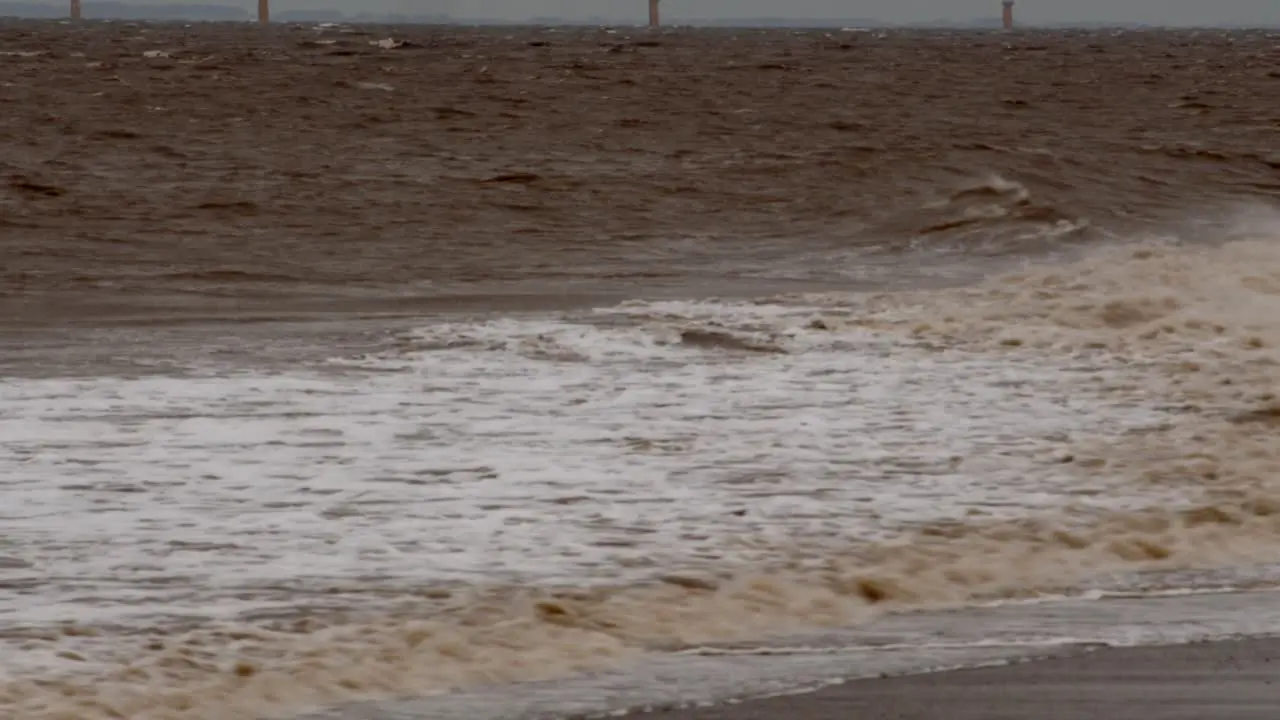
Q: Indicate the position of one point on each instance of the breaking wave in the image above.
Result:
(1188, 332)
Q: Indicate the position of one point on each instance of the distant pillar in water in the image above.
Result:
(654, 20)
(1008, 14)
(264, 11)
(75, 10)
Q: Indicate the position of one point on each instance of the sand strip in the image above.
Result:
(1232, 680)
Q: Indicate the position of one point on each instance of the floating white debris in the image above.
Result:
(374, 86)
(155, 54)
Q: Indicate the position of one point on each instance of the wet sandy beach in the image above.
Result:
(1229, 680)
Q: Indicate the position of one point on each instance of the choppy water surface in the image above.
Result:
(355, 487)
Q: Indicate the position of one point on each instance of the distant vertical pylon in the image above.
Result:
(264, 11)
(654, 20)
(1008, 14)
(75, 10)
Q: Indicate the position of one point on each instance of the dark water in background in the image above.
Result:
(243, 170)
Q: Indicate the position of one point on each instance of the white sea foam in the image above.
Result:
(513, 498)
(538, 451)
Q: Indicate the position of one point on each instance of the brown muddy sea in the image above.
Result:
(373, 371)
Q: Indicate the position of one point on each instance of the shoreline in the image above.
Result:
(1210, 652)
(1233, 679)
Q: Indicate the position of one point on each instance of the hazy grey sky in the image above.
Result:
(1150, 11)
